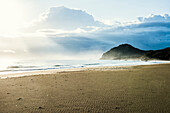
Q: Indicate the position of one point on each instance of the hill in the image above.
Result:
(126, 51)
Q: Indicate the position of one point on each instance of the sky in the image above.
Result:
(108, 9)
(79, 28)
(104, 10)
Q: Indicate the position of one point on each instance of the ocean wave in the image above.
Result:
(51, 65)
(20, 66)
(92, 64)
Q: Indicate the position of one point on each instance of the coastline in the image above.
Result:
(55, 71)
(138, 89)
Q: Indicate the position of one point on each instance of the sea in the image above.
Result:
(20, 66)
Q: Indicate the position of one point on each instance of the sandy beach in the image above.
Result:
(138, 89)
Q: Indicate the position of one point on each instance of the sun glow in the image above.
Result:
(11, 16)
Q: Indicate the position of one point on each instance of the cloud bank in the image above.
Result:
(74, 34)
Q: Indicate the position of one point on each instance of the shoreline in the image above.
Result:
(139, 89)
(55, 71)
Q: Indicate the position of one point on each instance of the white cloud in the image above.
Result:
(61, 32)
(65, 19)
(155, 18)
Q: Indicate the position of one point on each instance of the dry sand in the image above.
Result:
(144, 89)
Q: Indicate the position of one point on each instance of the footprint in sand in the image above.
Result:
(19, 99)
(40, 108)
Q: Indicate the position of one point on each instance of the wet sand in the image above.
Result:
(140, 89)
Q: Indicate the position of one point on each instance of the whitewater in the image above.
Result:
(16, 67)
